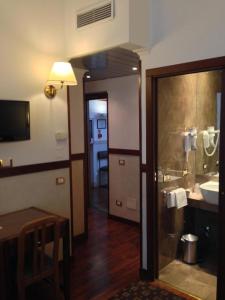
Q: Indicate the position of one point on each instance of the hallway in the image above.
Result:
(99, 199)
(107, 261)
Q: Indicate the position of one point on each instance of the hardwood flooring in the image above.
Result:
(99, 198)
(108, 261)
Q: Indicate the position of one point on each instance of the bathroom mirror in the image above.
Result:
(208, 106)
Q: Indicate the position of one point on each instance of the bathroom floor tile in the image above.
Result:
(191, 279)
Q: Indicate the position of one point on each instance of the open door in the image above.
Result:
(97, 151)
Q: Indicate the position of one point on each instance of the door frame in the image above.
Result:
(87, 97)
(152, 76)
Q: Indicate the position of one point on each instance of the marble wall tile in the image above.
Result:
(208, 85)
(183, 102)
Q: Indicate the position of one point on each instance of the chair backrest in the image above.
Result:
(33, 239)
(102, 155)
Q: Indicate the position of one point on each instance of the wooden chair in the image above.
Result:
(33, 264)
(102, 155)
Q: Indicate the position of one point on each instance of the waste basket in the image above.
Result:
(190, 248)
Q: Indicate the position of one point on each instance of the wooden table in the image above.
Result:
(10, 225)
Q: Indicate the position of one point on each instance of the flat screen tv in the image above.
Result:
(14, 120)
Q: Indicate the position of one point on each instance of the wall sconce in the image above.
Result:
(61, 74)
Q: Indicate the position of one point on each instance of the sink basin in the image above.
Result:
(210, 192)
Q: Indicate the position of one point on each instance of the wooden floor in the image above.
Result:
(107, 261)
(99, 198)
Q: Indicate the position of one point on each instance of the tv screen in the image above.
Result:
(14, 120)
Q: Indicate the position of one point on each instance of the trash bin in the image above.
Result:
(189, 248)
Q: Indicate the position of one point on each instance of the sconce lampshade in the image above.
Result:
(62, 73)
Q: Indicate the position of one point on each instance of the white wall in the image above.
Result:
(127, 29)
(101, 36)
(36, 189)
(182, 31)
(77, 114)
(31, 40)
(139, 23)
(123, 110)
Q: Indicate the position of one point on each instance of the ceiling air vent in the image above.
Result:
(103, 10)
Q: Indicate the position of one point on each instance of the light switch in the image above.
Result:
(122, 162)
(61, 136)
(119, 203)
(6, 163)
(60, 180)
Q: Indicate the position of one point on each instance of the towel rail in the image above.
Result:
(166, 192)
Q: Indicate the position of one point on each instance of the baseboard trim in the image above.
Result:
(123, 220)
(146, 275)
(80, 238)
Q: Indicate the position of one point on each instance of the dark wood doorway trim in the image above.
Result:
(87, 97)
(152, 77)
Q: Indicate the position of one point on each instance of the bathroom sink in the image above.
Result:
(210, 192)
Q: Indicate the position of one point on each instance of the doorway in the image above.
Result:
(187, 88)
(187, 171)
(116, 71)
(97, 151)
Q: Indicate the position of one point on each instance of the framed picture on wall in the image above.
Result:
(101, 124)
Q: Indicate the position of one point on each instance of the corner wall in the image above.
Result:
(76, 108)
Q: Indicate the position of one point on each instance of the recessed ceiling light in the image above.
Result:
(88, 76)
(134, 68)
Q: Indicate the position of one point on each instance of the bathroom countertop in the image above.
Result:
(199, 202)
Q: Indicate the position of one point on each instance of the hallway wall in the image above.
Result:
(124, 181)
(123, 93)
(123, 134)
(129, 27)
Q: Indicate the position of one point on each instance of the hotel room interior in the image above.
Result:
(112, 142)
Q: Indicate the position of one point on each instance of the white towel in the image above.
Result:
(180, 198)
(170, 199)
